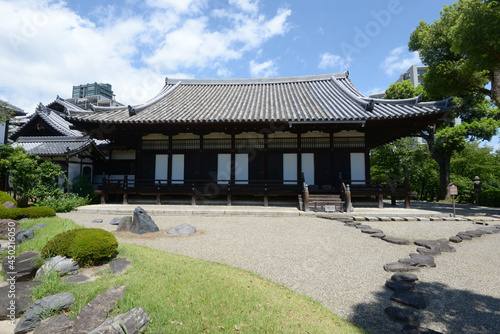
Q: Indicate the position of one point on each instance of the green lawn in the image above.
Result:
(184, 295)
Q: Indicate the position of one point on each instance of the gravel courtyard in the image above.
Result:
(342, 267)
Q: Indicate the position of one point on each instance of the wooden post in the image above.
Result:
(407, 192)
(380, 201)
(266, 200)
(306, 199)
(125, 198)
(228, 199)
(348, 200)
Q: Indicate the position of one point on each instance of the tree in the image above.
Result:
(5, 112)
(462, 50)
(443, 140)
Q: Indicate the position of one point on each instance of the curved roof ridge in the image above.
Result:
(163, 93)
(410, 101)
(367, 105)
(253, 81)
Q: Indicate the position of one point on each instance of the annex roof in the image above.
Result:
(66, 107)
(52, 118)
(316, 98)
(58, 145)
(15, 110)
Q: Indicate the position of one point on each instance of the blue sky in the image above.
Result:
(48, 46)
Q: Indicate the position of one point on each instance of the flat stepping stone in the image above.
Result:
(418, 262)
(358, 218)
(436, 219)
(345, 220)
(474, 233)
(428, 251)
(404, 277)
(397, 219)
(410, 298)
(371, 219)
(396, 241)
(403, 315)
(77, 279)
(412, 329)
(352, 224)
(423, 219)
(378, 235)
(371, 230)
(485, 230)
(119, 265)
(399, 267)
(361, 227)
(399, 285)
(442, 245)
(384, 219)
(464, 236)
(98, 221)
(456, 239)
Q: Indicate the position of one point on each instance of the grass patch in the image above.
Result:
(184, 295)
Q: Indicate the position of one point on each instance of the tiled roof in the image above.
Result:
(52, 118)
(317, 98)
(68, 107)
(56, 146)
(16, 110)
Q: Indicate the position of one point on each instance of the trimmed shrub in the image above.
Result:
(65, 203)
(86, 246)
(31, 212)
(490, 197)
(4, 197)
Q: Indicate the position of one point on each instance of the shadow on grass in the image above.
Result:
(449, 310)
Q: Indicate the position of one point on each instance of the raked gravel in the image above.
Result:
(342, 267)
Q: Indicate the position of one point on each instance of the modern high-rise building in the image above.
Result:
(93, 89)
(414, 74)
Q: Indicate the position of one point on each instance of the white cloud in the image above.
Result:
(47, 47)
(399, 60)
(265, 69)
(335, 62)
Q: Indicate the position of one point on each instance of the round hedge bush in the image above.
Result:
(490, 197)
(86, 246)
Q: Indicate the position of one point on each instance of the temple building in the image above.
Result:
(247, 137)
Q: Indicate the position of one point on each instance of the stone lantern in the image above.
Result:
(477, 188)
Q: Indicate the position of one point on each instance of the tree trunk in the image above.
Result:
(495, 87)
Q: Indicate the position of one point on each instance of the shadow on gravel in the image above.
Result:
(448, 311)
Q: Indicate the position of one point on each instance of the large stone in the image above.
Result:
(57, 324)
(41, 309)
(132, 322)
(184, 229)
(24, 266)
(474, 233)
(428, 251)
(94, 313)
(486, 230)
(441, 245)
(141, 223)
(419, 261)
(455, 239)
(37, 226)
(379, 235)
(464, 236)
(118, 220)
(7, 225)
(371, 230)
(412, 329)
(61, 264)
(404, 277)
(124, 225)
(24, 235)
(410, 298)
(362, 227)
(396, 241)
(397, 285)
(76, 279)
(399, 267)
(22, 298)
(403, 315)
(119, 265)
(10, 205)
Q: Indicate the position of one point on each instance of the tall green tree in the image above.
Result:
(5, 112)
(462, 50)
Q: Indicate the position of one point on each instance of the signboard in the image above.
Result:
(453, 189)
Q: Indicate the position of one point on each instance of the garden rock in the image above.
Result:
(48, 305)
(24, 235)
(184, 229)
(37, 226)
(406, 316)
(399, 267)
(419, 260)
(441, 245)
(25, 266)
(10, 205)
(371, 230)
(22, 298)
(61, 264)
(119, 265)
(57, 324)
(396, 241)
(132, 322)
(362, 227)
(410, 298)
(98, 221)
(455, 239)
(486, 230)
(141, 223)
(412, 329)
(404, 277)
(428, 251)
(76, 279)
(396, 285)
(474, 233)
(94, 313)
(118, 220)
(464, 236)
(352, 224)
(378, 235)
(6, 224)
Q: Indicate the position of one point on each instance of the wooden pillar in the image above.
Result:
(233, 168)
(169, 163)
(265, 158)
(200, 158)
(299, 158)
(333, 181)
